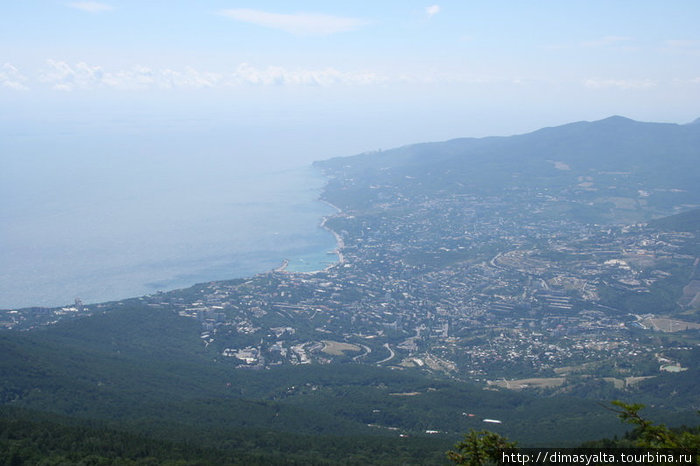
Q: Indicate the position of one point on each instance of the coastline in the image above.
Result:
(340, 244)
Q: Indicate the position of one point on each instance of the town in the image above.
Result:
(491, 288)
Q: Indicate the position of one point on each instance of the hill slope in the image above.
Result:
(612, 157)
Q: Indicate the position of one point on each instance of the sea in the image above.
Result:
(102, 215)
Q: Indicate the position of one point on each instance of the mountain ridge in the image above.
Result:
(619, 125)
(622, 158)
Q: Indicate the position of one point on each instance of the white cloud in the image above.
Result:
(138, 77)
(189, 78)
(11, 78)
(432, 10)
(82, 76)
(144, 78)
(63, 76)
(607, 41)
(91, 7)
(624, 84)
(279, 76)
(303, 24)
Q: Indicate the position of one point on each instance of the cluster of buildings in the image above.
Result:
(465, 286)
(472, 286)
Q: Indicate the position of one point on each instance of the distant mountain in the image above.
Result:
(655, 163)
(615, 142)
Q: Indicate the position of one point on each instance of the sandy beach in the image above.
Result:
(339, 241)
(338, 250)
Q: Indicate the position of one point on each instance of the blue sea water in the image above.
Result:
(104, 216)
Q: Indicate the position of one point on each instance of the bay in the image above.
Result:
(105, 215)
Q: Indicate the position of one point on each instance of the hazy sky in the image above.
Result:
(334, 78)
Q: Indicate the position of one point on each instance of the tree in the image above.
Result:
(484, 447)
(480, 448)
(650, 435)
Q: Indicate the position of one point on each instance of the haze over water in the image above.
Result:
(105, 215)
